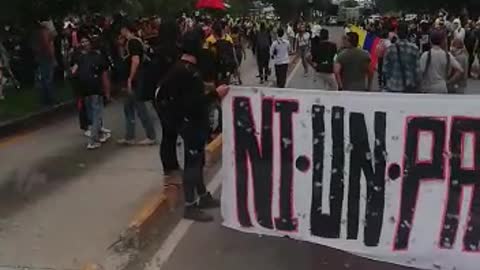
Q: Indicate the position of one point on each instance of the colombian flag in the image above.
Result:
(368, 42)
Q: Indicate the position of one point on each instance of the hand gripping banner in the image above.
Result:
(392, 177)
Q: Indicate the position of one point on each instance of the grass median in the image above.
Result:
(27, 100)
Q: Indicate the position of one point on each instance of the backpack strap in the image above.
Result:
(402, 67)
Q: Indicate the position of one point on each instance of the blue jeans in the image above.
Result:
(45, 73)
(94, 107)
(131, 107)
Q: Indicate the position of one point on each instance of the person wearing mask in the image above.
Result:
(458, 30)
(89, 70)
(322, 59)
(303, 45)
(439, 67)
(280, 54)
(352, 67)
(184, 102)
(135, 102)
(263, 43)
(460, 53)
(400, 65)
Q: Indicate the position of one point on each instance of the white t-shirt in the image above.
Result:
(290, 32)
(304, 39)
(280, 51)
(459, 34)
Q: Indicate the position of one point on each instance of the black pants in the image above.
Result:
(263, 59)
(168, 146)
(281, 74)
(381, 78)
(194, 137)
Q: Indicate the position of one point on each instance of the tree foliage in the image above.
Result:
(453, 6)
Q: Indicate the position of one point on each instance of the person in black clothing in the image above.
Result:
(322, 60)
(89, 72)
(184, 103)
(137, 96)
(167, 54)
(262, 47)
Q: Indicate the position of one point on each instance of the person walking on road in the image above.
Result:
(262, 48)
(89, 71)
(44, 50)
(401, 64)
(280, 54)
(322, 57)
(185, 103)
(135, 103)
(291, 37)
(460, 53)
(440, 69)
(303, 45)
(352, 67)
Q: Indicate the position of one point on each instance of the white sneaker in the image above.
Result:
(126, 142)
(88, 133)
(105, 137)
(147, 142)
(93, 146)
(106, 130)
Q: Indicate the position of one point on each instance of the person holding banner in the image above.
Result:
(352, 67)
(322, 58)
(401, 65)
(440, 69)
(184, 104)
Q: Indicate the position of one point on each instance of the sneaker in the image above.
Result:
(126, 142)
(147, 142)
(93, 146)
(88, 133)
(261, 81)
(2, 97)
(208, 202)
(196, 214)
(105, 137)
(106, 130)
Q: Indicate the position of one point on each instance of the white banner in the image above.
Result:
(386, 176)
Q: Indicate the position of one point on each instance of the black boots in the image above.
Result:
(194, 212)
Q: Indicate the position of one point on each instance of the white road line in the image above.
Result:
(178, 233)
(292, 74)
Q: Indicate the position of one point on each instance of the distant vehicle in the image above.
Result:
(411, 17)
(333, 20)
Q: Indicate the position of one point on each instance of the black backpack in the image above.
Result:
(225, 54)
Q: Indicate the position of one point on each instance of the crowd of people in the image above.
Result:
(183, 67)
